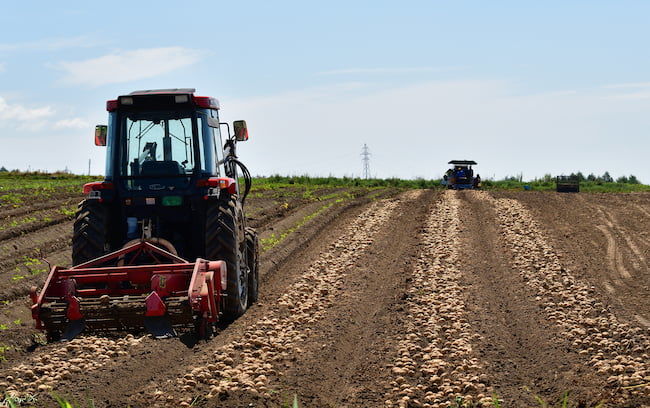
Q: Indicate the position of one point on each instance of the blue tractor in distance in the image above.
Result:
(461, 176)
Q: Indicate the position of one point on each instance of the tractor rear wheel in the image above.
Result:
(225, 240)
(91, 234)
(253, 255)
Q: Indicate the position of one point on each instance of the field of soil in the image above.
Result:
(373, 298)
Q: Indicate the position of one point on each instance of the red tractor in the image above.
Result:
(171, 194)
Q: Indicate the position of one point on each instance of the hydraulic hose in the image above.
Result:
(248, 181)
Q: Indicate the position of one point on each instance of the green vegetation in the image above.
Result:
(68, 212)
(19, 222)
(292, 404)
(13, 401)
(564, 402)
(273, 240)
(62, 402)
(587, 186)
(14, 180)
(590, 183)
(549, 185)
(3, 349)
(277, 181)
(17, 188)
(30, 267)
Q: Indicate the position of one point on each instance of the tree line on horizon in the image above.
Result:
(604, 178)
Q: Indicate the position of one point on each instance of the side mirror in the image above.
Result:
(241, 131)
(100, 135)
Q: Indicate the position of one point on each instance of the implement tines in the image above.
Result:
(111, 294)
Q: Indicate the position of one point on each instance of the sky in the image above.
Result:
(527, 88)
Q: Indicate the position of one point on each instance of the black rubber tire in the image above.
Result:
(225, 241)
(253, 261)
(91, 232)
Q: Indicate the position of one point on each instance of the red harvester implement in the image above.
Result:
(138, 287)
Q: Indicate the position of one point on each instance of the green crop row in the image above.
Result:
(17, 187)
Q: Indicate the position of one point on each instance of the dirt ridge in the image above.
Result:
(437, 362)
(244, 364)
(614, 349)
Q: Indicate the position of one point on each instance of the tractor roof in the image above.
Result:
(161, 98)
(175, 91)
(462, 162)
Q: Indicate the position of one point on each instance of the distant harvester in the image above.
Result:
(461, 176)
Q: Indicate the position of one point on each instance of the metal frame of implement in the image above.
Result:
(112, 293)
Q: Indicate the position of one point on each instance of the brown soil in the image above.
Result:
(521, 348)
(345, 360)
(404, 300)
(160, 361)
(604, 239)
(25, 256)
(61, 201)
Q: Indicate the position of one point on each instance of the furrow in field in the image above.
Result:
(245, 364)
(523, 352)
(24, 259)
(270, 207)
(65, 200)
(437, 362)
(616, 349)
(45, 369)
(35, 222)
(349, 350)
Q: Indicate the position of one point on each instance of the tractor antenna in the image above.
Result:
(365, 154)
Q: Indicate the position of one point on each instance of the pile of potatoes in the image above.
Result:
(248, 364)
(436, 362)
(55, 363)
(617, 350)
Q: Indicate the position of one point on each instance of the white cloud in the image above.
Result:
(128, 65)
(53, 44)
(628, 85)
(3, 66)
(628, 90)
(73, 123)
(632, 95)
(395, 70)
(20, 113)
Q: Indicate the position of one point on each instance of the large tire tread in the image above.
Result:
(253, 260)
(223, 241)
(91, 234)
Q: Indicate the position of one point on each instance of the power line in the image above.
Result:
(365, 154)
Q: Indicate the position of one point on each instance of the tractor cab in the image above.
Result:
(164, 141)
(460, 175)
(165, 157)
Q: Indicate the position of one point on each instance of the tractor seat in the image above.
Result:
(161, 168)
(161, 174)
